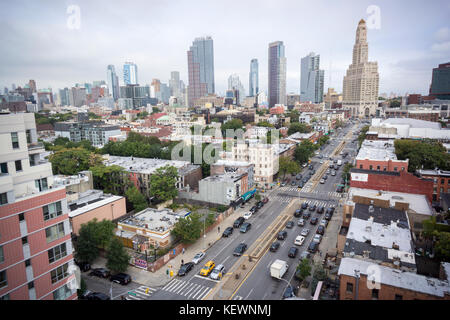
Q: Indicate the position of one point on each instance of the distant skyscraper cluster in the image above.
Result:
(277, 74)
(311, 79)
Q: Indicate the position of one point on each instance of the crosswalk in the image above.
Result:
(237, 298)
(306, 189)
(141, 293)
(187, 289)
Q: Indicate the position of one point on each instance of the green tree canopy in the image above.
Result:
(422, 154)
(442, 245)
(188, 229)
(362, 135)
(111, 179)
(287, 166)
(163, 183)
(232, 124)
(304, 151)
(87, 245)
(265, 124)
(117, 257)
(71, 161)
(136, 198)
(303, 269)
(346, 172)
(299, 127)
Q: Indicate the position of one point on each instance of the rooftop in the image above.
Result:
(413, 123)
(223, 162)
(437, 172)
(396, 278)
(70, 180)
(377, 150)
(231, 177)
(90, 200)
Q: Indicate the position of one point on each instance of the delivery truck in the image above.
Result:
(278, 269)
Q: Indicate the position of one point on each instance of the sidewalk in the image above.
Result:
(160, 278)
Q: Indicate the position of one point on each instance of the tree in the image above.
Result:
(188, 229)
(93, 116)
(136, 198)
(265, 124)
(395, 104)
(117, 257)
(111, 179)
(319, 274)
(87, 245)
(346, 172)
(72, 161)
(362, 135)
(293, 115)
(323, 140)
(422, 154)
(287, 166)
(442, 245)
(232, 124)
(104, 232)
(303, 269)
(257, 196)
(299, 127)
(304, 151)
(163, 183)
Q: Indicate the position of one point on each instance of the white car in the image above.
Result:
(301, 222)
(247, 215)
(317, 238)
(304, 232)
(198, 257)
(323, 223)
(218, 272)
(322, 181)
(299, 240)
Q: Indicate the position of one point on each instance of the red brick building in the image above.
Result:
(380, 156)
(440, 180)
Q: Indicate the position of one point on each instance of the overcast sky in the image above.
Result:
(36, 42)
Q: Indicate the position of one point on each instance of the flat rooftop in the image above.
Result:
(222, 162)
(413, 123)
(155, 220)
(377, 150)
(90, 200)
(396, 278)
(417, 202)
(231, 177)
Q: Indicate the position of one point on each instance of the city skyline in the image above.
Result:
(417, 45)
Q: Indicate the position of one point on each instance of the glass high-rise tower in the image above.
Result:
(311, 79)
(277, 74)
(200, 69)
(113, 82)
(253, 86)
(130, 73)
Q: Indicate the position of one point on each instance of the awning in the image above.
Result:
(248, 194)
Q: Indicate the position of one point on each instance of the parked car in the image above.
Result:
(185, 268)
(247, 215)
(121, 278)
(301, 184)
(100, 272)
(320, 230)
(320, 209)
(340, 189)
(290, 292)
(228, 232)
(293, 183)
(305, 180)
(317, 238)
(245, 227)
(312, 248)
(290, 224)
(238, 222)
(218, 272)
(274, 247)
(253, 209)
(298, 213)
(333, 173)
(301, 222)
(260, 204)
(306, 215)
(282, 235)
(304, 232)
(325, 177)
(328, 171)
(89, 295)
(324, 223)
(292, 252)
(327, 216)
(313, 208)
(299, 240)
(283, 183)
(265, 200)
(198, 257)
(304, 255)
(314, 220)
(240, 249)
(84, 266)
(322, 181)
(207, 268)
(304, 205)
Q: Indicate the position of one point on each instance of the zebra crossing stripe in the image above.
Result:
(170, 284)
(197, 286)
(180, 288)
(191, 288)
(186, 289)
(175, 287)
(237, 298)
(204, 293)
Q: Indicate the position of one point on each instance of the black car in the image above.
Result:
(301, 184)
(185, 268)
(313, 247)
(298, 177)
(330, 210)
(274, 247)
(228, 231)
(298, 213)
(293, 183)
(238, 222)
(306, 215)
(290, 224)
(88, 295)
(100, 272)
(240, 249)
(304, 205)
(320, 209)
(327, 216)
(260, 204)
(311, 167)
(282, 235)
(340, 189)
(292, 252)
(320, 230)
(254, 209)
(84, 266)
(121, 278)
(314, 220)
(313, 208)
(245, 227)
(290, 292)
(305, 180)
(325, 177)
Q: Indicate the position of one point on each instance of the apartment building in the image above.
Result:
(35, 244)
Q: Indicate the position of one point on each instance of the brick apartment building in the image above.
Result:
(379, 156)
(440, 179)
(35, 244)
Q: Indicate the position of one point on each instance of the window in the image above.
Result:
(24, 241)
(21, 217)
(3, 280)
(41, 184)
(370, 167)
(52, 210)
(395, 168)
(4, 168)
(54, 232)
(375, 293)
(30, 285)
(398, 297)
(5, 297)
(2, 255)
(349, 287)
(59, 273)
(27, 263)
(442, 181)
(57, 253)
(15, 140)
(403, 168)
(18, 165)
(384, 169)
(441, 190)
(378, 168)
(3, 198)
(62, 293)
(32, 161)
(360, 166)
(28, 132)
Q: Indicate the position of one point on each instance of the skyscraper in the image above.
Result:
(174, 83)
(235, 84)
(253, 86)
(311, 79)
(440, 82)
(113, 82)
(277, 74)
(200, 69)
(360, 89)
(130, 75)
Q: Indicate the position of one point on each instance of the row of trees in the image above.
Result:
(422, 154)
(299, 127)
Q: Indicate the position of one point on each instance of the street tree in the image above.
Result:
(304, 151)
(117, 257)
(111, 179)
(87, 243)
(136, 198)
(163, 183)
(288, 166)
(188, 229)
(303, 269)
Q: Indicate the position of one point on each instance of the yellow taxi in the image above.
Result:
(209, 266)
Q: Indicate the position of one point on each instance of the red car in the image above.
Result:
(265, 200)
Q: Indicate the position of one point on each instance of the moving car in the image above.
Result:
(298, 213)
(293, 183)
(333, 173)
(317, 238)
(322, 181)
(305, 180)
(198, 257)
(327, 216)
(299, 240)
(306, 215)
(320, 209)
(340, 189)
(89, 295)
(100, 272)
(245, 227)
(301, 222)
(314, 220)
(254, 209)
(282, 235)
(247, 215)
(240, 249)
(208, 267)
(301, 184)
(218, 272)
(304, 205)
(228, 231)
(185, 268)
(292, 252)
(283, 183)
(121, 278)
(265, 200)
(325, 177)
(260, 204)
(313, 208)
(238, 222)
(274, 247)
(290, 224)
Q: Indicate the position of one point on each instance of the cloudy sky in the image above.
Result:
(41, 41)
